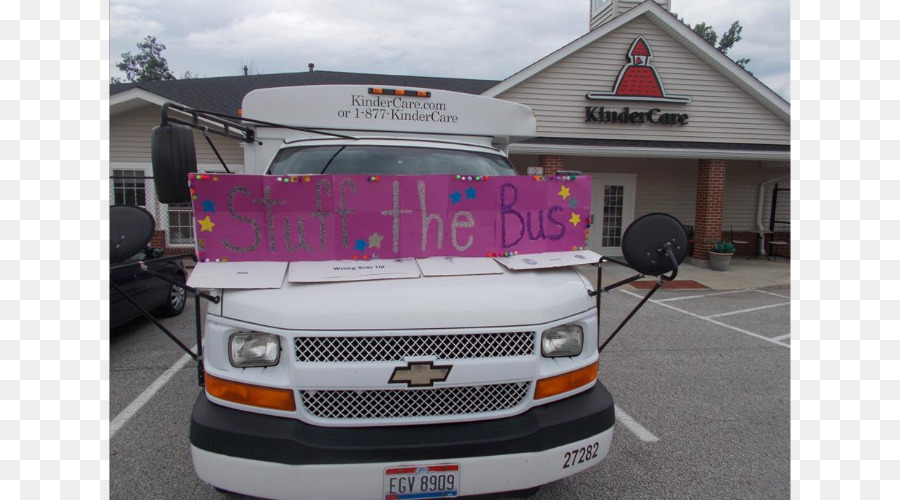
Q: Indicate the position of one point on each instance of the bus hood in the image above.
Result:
(474, 301)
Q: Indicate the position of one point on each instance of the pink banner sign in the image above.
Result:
(337, 217)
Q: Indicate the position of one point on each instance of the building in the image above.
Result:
(661, 121)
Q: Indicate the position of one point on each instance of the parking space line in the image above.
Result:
(773, 293)
(637, 429)
(726, 325)
(781, 337)
(125, 415)
(749, 310)
(705, 295)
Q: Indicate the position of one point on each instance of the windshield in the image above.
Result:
(386, 160)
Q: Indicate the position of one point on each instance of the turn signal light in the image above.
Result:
(252, 395)
(566, 382)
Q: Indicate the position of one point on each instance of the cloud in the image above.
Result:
(130, 22)
(464, 38)
(780, 83)
(366, 37)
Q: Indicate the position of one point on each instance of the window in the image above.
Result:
(613, 198)
(596, 5)
(133, 187)
(181, 226)
(387, 160)
(129, 188)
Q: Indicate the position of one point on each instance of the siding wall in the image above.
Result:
(719, 112)
(129, 140)
(616, 8)
(670, 185)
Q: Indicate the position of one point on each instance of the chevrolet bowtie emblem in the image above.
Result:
(419, 374)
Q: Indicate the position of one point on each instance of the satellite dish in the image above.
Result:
(130, 230)
(644, 244)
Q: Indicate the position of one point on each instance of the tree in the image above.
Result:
(250, 67)
(147, 65)
(729, 38)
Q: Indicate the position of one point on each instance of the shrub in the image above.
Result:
(723, 247)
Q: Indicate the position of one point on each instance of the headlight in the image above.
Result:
(563, 340)
(247, 349)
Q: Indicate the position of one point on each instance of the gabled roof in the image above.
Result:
(225, 94)
(681, 33)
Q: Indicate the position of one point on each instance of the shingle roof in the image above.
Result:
(224, 94)
(642, 144)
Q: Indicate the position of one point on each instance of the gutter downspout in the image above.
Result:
(760, 200)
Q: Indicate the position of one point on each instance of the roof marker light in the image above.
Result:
(401, 92)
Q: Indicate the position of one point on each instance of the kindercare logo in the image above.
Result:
(637, 81)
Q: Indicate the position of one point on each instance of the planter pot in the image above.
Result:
(719, 261)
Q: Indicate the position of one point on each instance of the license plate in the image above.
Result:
(420, 482)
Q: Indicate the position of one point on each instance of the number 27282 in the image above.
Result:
(581, 455)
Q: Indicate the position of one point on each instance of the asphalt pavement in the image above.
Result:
(700, 379)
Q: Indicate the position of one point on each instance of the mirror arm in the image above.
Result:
(212, 298)
(155, 321)
(615, 285)
(605, 259)
(213, 147)
(631, 314)
(667, 249)
(230, 129)
(671, 255)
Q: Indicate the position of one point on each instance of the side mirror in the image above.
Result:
(130, 230)
(655, 244)
(174, 157)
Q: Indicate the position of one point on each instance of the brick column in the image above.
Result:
(551, 163)
(710, 200)
(158, 240)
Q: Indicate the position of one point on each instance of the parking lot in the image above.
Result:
(700, 379)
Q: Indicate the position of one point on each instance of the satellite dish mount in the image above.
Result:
(653, 245)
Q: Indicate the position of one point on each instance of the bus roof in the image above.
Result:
(391, 110)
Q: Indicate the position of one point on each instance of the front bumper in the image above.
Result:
(283, 458)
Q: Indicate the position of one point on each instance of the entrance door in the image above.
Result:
(612, 205)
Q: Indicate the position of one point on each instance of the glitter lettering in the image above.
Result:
(396, 213)
(270, 221)
(320, 212)
(256, 234)
(456, 223)
(505, 210)
(427, 218)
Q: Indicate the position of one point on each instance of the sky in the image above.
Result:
(483, 39)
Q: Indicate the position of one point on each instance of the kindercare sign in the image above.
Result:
(637, 81)
(340, 217)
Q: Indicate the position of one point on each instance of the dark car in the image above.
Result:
(156, 295)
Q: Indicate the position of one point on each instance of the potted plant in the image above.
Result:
(720, 255)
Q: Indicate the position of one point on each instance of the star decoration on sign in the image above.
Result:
(209, 206)
(360, 245)
(375, 240)
(575, 219)
(573, 203)
(206, 224)
(455, 198)
(564, 192)
(470, 193)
